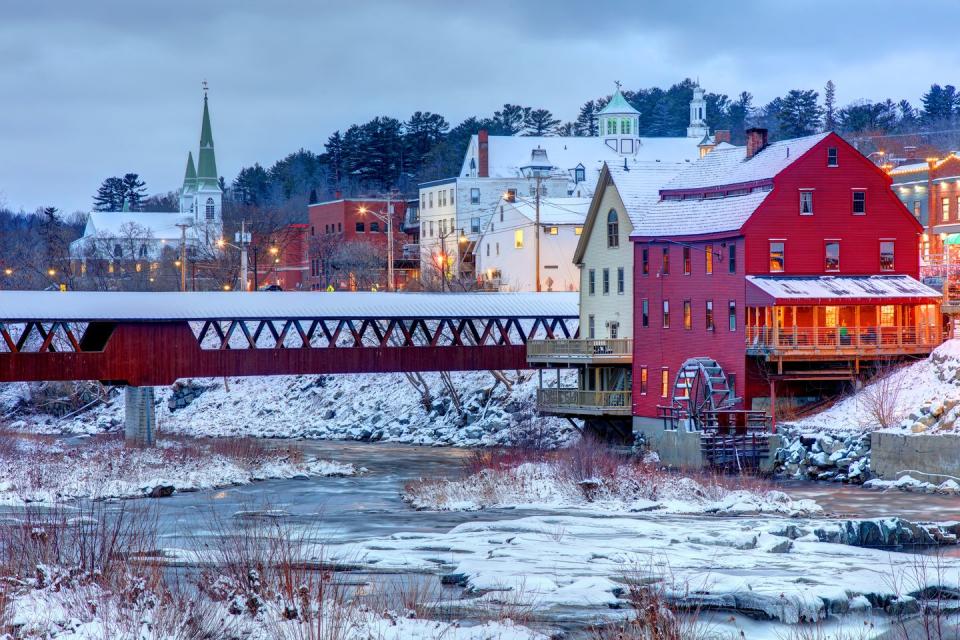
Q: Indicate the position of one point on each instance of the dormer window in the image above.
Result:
(579, 174)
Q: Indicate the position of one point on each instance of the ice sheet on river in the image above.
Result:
(747, 564)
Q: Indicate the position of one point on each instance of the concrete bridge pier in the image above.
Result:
(141, 419)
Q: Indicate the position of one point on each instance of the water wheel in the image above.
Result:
(701, 386)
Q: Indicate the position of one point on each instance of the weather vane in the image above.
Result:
(205, 87)
(617, 82)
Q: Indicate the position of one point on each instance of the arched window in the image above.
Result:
(613, 229)
(210, 209)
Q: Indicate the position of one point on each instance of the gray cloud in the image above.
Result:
(92, 89)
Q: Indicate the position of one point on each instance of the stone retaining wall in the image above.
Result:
(928, 457)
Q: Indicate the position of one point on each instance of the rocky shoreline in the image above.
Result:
(824, 457)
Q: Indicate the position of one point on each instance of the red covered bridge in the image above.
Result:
(147, 339)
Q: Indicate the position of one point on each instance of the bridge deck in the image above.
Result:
(154, 338)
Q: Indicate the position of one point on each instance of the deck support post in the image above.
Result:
(141, 418)
(773, 405)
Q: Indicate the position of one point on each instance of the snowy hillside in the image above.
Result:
(925, 392)
(355, 407)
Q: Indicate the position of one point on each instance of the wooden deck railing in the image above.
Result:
(587, 349)
(827, 340)
(615, 402)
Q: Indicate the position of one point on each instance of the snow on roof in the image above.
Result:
(508, 153)
(841, 288)
(161, 224)
(141, 306)
(555, 210)
(728, 164)
(909, 168)
(639, 187)
(697, 217)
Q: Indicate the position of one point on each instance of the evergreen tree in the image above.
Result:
(907, 115)
(134, 191)
(422, 132)
(798, 113)
(110, 195)
(586, 124)
(252, 186)
(737, 114)
(510, 119)
(539, 122)
(566, 129)
(333, 158)
(829, 106)
(864, 115)
(940, 104)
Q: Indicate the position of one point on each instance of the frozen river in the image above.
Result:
(365, 516)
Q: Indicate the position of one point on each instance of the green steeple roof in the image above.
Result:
(206, 161)
(190, 177)
(618, 105)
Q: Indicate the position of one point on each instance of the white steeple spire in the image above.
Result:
(698, 114)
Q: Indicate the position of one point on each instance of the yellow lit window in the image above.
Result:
(518, 239)
(831, 314)
(664, 383)
(709, 252)
(887, 315)
(553, 230)
(577, 230)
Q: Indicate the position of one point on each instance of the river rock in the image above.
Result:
(329, 414)
(161, 491)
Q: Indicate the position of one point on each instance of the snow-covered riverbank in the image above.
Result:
(587, 479)
(42, 469)
(381, 407)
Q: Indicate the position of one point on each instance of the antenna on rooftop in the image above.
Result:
(625, 167)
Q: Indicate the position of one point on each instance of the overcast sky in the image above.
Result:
(99, 88)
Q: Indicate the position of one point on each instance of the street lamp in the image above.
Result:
(538, 169)
(242, 237)
(387, 217)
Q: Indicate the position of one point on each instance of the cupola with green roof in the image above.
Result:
(618, 121)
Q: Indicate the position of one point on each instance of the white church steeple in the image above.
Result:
(698, 114)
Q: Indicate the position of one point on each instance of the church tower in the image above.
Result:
(188, 192)
(698, 114)
(208, 202)
(619, 122)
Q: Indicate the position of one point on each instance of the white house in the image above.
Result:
(455, 211)
(143, 235)
(506, 249)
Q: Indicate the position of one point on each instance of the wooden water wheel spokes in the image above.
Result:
(701, 386)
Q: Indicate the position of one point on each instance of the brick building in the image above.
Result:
(930, 189)
(348, 244)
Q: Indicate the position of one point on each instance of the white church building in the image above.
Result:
(143, 235)
(455, 212)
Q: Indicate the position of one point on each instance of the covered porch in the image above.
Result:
(841, 317)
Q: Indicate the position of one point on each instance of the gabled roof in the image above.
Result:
(114, 224)
(728, 164)
(618, 105)
(638, 188)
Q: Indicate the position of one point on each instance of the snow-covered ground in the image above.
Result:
(895, 397)
(41, 469)
(627, 488)
(357, 407)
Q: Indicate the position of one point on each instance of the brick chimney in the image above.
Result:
(483, 154)
(721, 135)
(756, 141)
(337, 194)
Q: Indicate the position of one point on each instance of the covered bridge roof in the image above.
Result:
(146, 307)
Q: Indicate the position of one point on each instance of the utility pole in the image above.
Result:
(536, 235)
(242, 239)
(390, 281)
(183, 256)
